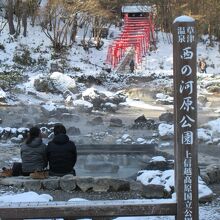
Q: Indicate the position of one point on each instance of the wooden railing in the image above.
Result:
(89, 209)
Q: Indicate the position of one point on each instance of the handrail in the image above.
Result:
(98, 208)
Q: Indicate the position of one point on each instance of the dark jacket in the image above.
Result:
(61, 154)
(131, 64)
(33, 156)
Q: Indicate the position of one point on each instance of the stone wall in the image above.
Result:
(68, 183)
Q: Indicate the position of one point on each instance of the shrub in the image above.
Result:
(41, 61)
(2, 47)
(9, 79)
(24, 58)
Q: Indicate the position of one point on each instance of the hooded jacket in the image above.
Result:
(33, 156)
(61, 154)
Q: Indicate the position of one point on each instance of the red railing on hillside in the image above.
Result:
(136, 34)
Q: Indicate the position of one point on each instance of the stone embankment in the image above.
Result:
(71, 184)
(68, 183)
(156, 181)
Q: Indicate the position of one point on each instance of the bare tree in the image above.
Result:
(60, 20)
(10, 16)
(24, 16)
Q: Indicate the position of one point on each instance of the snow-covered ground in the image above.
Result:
(159, 62)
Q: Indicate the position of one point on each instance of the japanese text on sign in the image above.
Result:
(186, 36)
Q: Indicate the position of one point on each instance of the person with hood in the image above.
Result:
(61, 153)
(33, 156)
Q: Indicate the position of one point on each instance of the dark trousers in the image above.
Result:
(17, 170)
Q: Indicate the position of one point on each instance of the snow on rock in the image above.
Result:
(63, 82)
(126, 139)
(158, 158)
(110, 107)
(90, 92)
(103, 100)
(23, 130)
(1, 130)
(164, 99)
(204, 135)
(166, 179)
(48, 109)
(214, 125)
(83, 105)
(146, 176)
(166, 131)
(205, 193)
(26, 197)
(141, 141)
(2, 95)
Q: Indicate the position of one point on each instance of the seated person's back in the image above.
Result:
(33, 154)
(61, 153)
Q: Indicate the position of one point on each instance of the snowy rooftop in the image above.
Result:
(136, 9)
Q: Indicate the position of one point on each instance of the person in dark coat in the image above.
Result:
(132, 64)
(61, 153)
(33, 156)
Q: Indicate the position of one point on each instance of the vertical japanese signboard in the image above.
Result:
(185, 112)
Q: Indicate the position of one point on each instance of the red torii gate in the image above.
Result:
(117, 50)
(135, 34)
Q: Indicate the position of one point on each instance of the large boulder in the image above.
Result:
(32, 185)
(213, 172)
(43, 84)
(63, 82)
(85, 183)
(142, 122)
(68, 183)
(93, 96)
(52, 183)
(103, 100)
(101, 185)
(152, 191)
